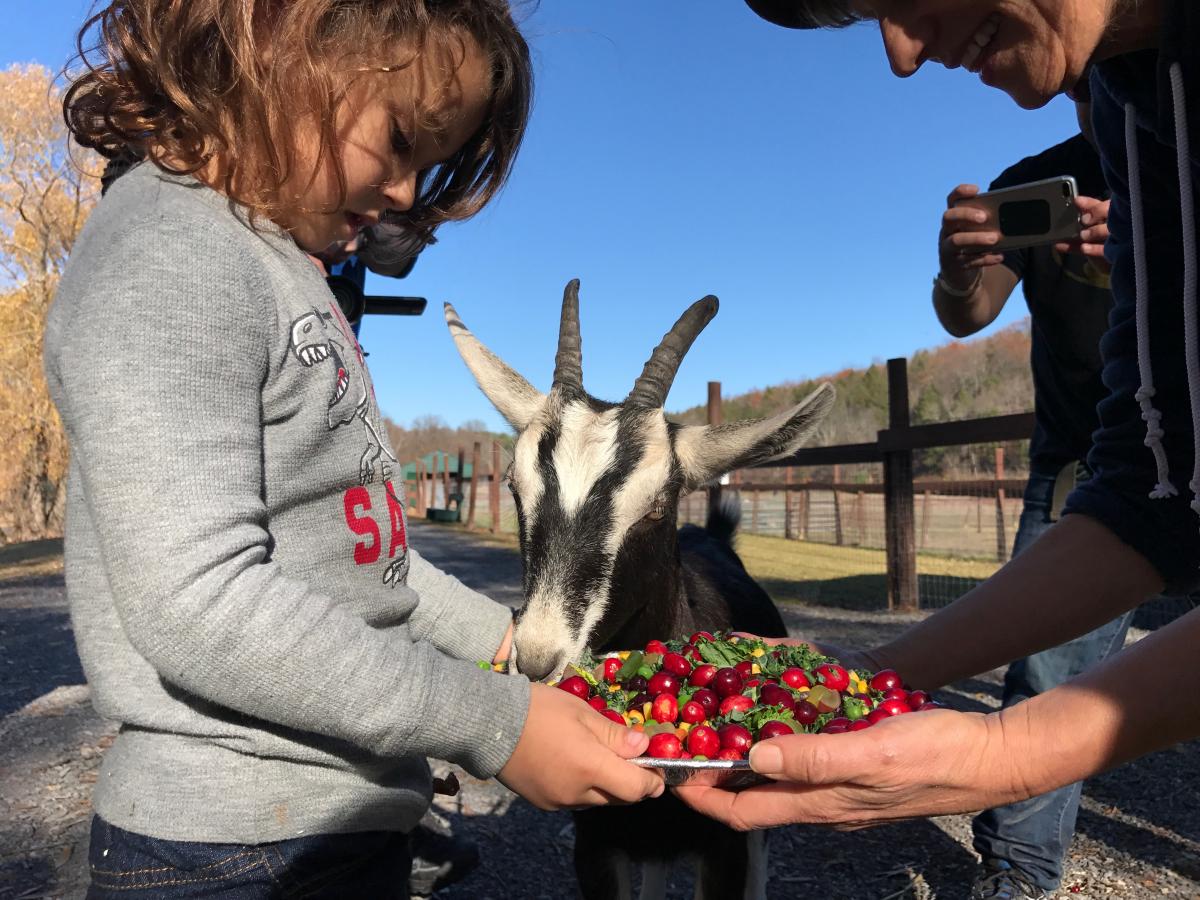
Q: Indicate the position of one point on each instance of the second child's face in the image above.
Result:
(392, 126)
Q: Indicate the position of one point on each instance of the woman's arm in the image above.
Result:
(940, 762)
(1073, 579)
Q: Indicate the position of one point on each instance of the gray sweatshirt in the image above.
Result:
(242, 591)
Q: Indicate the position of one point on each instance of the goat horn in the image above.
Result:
(568, 363)
(650, 390)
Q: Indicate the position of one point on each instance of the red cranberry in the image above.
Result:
(774, 729)
(736, 703)
(929, 704)
(663, 683)
(676, 664)
(896, 694)
(656, 647)
(639, 700)
(636, 683)
(885, 680)
(833, 676)
(665, 746)
(806, 713)
(859, 725)
(692, 712)
(692, 653)
(702, 676)
(745, 668)
(701, 636)
(893, 707)
(726, 682)
(613, 715)
(665, 708)
(597, 703)
(877, 715)
(703, 741)
(707, 699)
(773, 695)
(611, 666)
(918, 699)
(795, 679)
(836, 726)
(734, 737)
(575, 685)
(729, 753)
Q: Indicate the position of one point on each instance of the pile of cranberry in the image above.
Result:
(713, 697)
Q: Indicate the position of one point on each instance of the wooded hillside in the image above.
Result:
(959, 380)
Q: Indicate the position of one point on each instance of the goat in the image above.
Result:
(597, 488)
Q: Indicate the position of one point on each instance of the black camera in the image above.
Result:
(355, 304)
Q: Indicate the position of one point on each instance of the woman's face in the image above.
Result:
(1030, 49)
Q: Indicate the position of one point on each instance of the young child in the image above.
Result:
(243, 596)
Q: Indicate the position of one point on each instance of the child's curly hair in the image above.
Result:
(191, 82)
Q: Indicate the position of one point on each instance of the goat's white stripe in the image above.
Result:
(586, 449)
(644, 482)
(526, 476)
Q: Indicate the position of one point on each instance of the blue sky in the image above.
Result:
(680, 148)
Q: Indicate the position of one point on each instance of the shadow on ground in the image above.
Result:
(804, 862)
(866, 593)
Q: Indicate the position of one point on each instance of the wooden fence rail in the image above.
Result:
(893, 448)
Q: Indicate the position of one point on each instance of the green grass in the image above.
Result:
(849, 577)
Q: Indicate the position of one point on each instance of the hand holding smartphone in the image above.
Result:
(1026, 215)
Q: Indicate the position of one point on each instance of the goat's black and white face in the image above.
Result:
(597, 484)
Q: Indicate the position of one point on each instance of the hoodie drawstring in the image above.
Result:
(1145, 392)
(1187, 210)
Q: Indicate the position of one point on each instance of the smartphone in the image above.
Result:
(1030, 215)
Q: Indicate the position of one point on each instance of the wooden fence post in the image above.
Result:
(754, 511)
(462, 467)
(805, 503)
(714, 418)
(475, 448)
(860, 518)
(494, 489)
(898, 497)
(1001, 531)
(839, 538)
(788, 533)
(420, 487)
(445, 480)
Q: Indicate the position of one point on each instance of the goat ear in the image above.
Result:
(706, 452)
(515, 398)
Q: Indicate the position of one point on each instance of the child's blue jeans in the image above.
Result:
(321, 867)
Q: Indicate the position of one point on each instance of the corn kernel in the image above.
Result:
(613, 687)
(624, 654)
(758, 651)
(755, 669)
(633, 717)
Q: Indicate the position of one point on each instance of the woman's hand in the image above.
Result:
(569, 756)
(1093, 215)
(920, 764)
(965, 239)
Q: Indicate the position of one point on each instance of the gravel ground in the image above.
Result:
(1138, 835)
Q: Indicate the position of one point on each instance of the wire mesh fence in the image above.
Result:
(818, 534)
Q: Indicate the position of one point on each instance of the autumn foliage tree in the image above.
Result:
(45, 197)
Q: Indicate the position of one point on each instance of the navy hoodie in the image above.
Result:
(1162, 528)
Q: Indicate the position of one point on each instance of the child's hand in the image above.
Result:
(569, 755)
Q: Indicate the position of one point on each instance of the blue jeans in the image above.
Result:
(1034, 834)
(321, 867)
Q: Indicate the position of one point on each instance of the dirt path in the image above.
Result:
(1138, 836)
